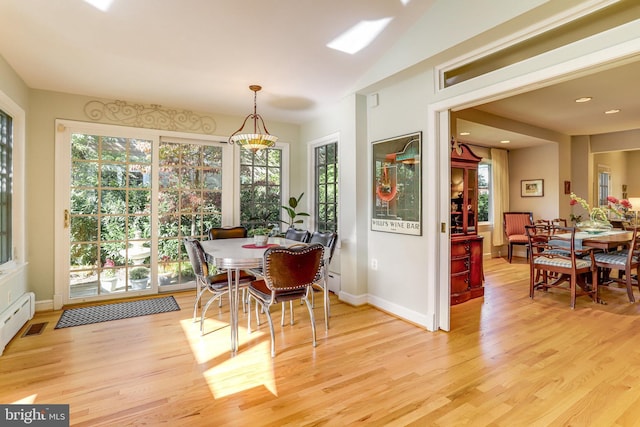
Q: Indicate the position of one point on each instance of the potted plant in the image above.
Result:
(139, 278)
(260, 235)
(164, 277)
(291, 211)
(108, 278)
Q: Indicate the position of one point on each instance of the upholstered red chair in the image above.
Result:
(514, 223)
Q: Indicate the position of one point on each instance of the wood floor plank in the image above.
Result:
(509, 360)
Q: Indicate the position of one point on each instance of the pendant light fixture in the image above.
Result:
(259, 139)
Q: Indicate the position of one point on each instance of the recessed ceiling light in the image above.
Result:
(584, 99)
(505, 141)
(359, 36)
(614, 111)
(465, 133)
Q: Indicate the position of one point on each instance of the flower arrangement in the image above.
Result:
(619, 207)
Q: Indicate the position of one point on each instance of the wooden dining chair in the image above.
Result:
(556, 263)
(289, 274)
(514, 223)
(562, 222)
(626, 261)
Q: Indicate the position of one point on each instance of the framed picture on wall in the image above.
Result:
(532, 188)
(396, 186)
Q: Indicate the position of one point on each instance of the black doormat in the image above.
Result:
(121, 310)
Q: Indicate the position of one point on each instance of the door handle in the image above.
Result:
(66, 218)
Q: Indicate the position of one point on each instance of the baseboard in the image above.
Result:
(46, 305)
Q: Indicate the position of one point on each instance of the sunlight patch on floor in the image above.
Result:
(251, 367)
(26, 400)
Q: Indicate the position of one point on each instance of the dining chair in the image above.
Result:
(227, 232)
(216, 284)
(329, 240)
(514, 223)
(289, 274)
(559, 222)
(235, 232)
(626, 261)
(556, 263)
(297, 235)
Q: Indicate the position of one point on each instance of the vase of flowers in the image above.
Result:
(598, 221)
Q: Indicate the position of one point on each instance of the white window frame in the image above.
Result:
(311, 179)
(18, 219)
(286, 167)
(491, 179)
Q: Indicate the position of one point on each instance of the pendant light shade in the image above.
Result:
(260, 138)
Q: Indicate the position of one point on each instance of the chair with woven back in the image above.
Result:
(514, 223)
(626, 261)
(289, 274)
(556, 261)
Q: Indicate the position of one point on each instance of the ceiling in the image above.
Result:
(202, 55)
(554, 108)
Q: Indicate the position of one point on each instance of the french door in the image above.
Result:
(125, 199)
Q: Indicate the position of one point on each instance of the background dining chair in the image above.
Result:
(562, 222)
(236, 232)
(227, 232)
(514, 223)
(289, 274)
(626, 261)
(329, 240)
(297, 235)
(556, 263)
(216, 284)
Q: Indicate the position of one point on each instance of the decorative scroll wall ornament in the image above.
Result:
(151, 116)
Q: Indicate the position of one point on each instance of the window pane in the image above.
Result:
(326, 188)
(260, 187)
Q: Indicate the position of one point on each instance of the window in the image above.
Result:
(604, 183)
(261, 188)
(326, 187)
(484, 192)
(6, 187)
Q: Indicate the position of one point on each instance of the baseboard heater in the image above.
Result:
(15, 316)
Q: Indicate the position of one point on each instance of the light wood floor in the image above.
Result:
(509, 361)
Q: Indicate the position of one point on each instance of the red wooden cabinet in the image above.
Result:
(467, 274)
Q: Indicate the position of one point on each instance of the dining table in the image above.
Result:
(608, 240)
(234, 255)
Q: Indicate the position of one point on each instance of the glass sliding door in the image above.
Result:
(125, 200)
(189, 204)
(110, 215)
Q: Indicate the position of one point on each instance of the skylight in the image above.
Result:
(102, 5)
(359, 36)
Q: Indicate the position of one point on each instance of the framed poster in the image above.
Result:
(532, 188)
(396, 186)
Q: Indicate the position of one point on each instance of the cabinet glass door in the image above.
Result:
(457, 200)
(472, 197)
